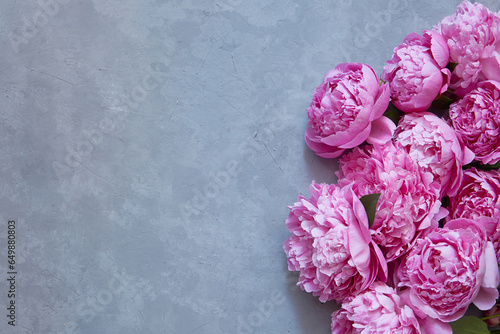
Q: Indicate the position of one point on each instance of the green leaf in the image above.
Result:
(469, 325)
(442, 102)
(451, 66)
(393, 113)
(481, 166)
(370, 204)
(490, 167)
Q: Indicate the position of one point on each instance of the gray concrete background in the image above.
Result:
(149, 150)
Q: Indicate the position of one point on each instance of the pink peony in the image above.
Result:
(410, 198)
(479, 199)
(435, 146)
(477, 118)
(479, 195)
(449, 269)
(331, 245)
(347, 109)
(417, 72)
(473, 35)
(380, 310)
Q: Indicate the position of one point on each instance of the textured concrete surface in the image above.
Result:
(149, 150)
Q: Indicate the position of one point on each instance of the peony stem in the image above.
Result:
(491, 317)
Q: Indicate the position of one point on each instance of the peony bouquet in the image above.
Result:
(409, 235)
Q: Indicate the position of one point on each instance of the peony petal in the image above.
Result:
(382, 131)
(383, 272)
(439, 48)
(342, 68)
(468, 156)
(349, 137)
(414, 37)
(446, 80)
(454, 316)
(321, 149)
(489, 224)
(371, 81)
(420, 308)
(429, 325)
(486, 298)
(381, 102)
(362, 218)
(488, 292)
(491, 67)
(358, 139)
(359, 238)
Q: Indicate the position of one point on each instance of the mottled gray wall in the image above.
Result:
(149, 150)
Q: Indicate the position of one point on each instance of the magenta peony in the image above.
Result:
(473, 35)
(410, 198)
(450, 268)
(417, 72)
(347, 109)
(435, 146)
(380, 310)
(477, 119)
(479, 199)
(331, 245)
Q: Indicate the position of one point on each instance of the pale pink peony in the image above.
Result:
(410, 198)
(477, 119)
(435, 146)
(380, 310)
(417, 72)
(479, 199)
(331, 245)
(473, 36)
(347, 109)
(449, 269)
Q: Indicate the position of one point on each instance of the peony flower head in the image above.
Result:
(479, 199)
(417, 72)
(476, 118)
(347, 109)
(331, 245)
(478, 196)
(381, 310)
(473, 36)
(435, 146)
(410, 197)
(450, 268)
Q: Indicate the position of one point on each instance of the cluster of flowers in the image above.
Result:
(433, 244)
